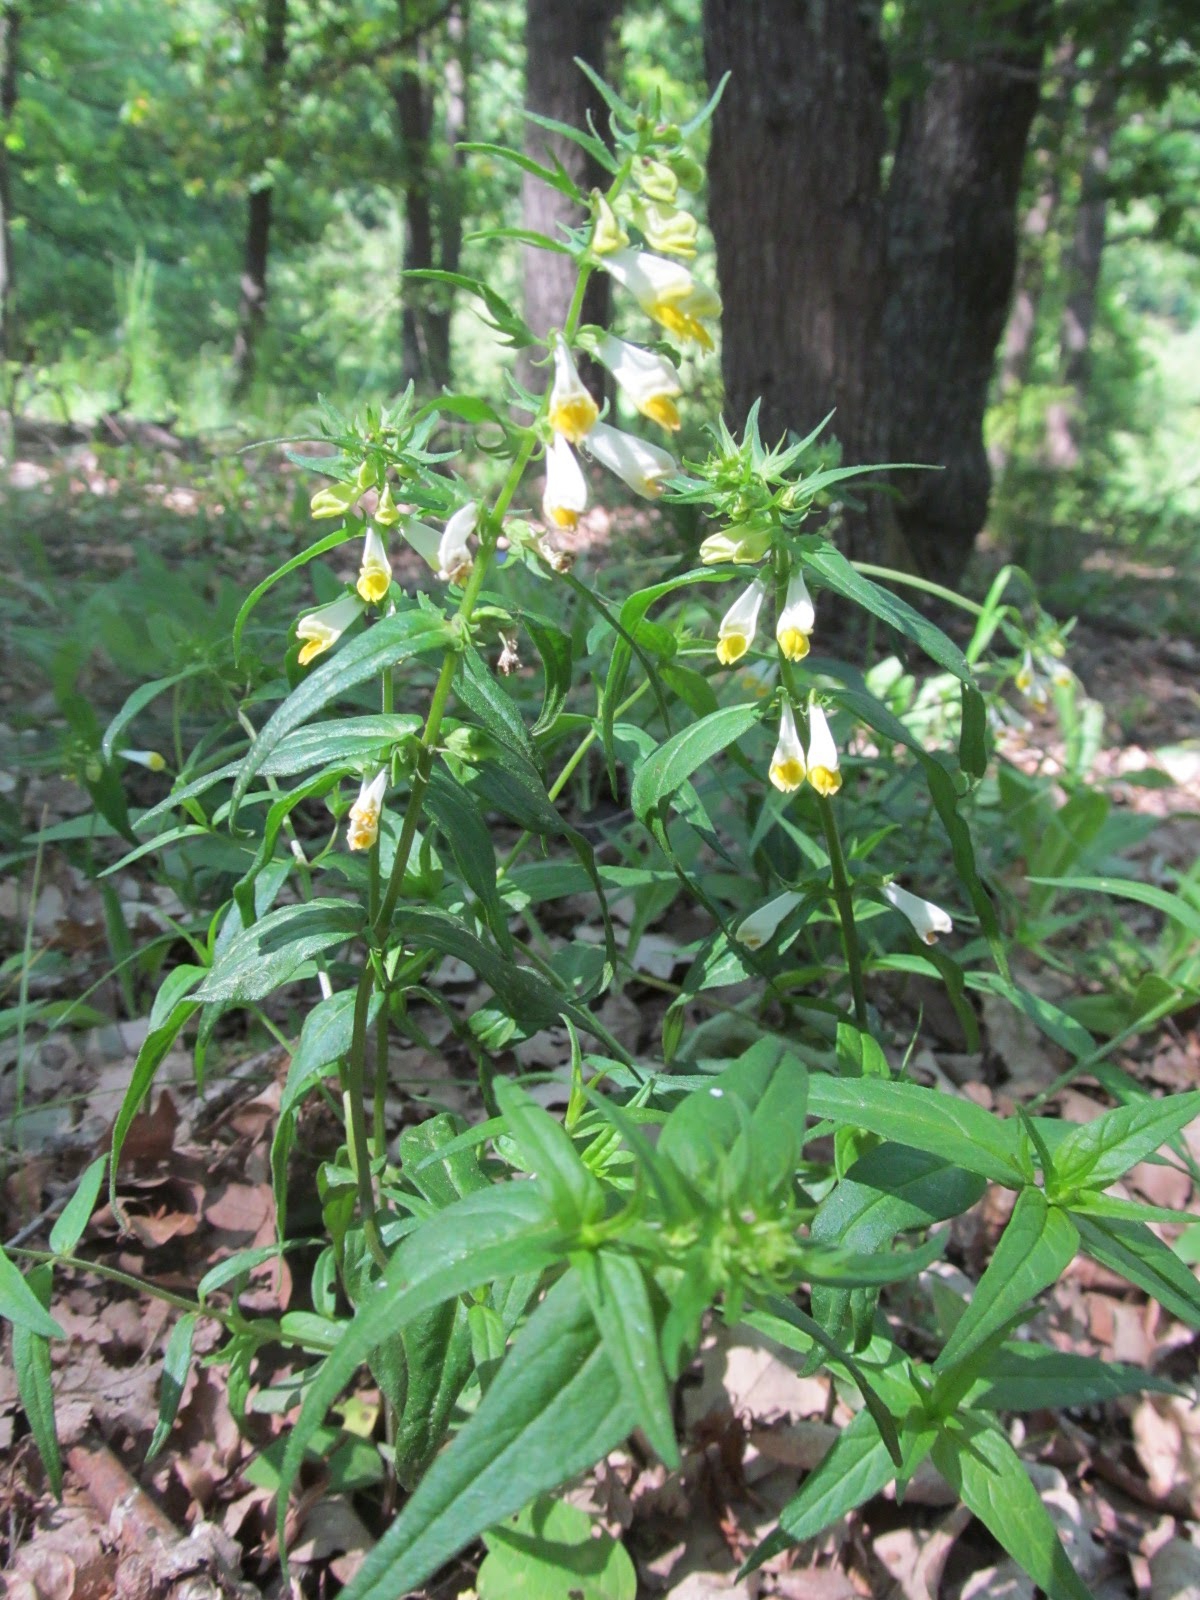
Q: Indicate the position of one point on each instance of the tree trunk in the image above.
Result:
(797, 213)
(10, 24)
(252, 307)
(951, 259)
(425, 307)
(555, 32)
(1081, 271)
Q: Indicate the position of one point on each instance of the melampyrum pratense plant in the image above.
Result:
(524, 1293)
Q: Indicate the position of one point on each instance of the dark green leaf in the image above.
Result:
(1024, 1376)
(265, 955)
(617, 1294)
(1100, 1152)
(1132, 1251)
(672, 763)
(32, 1365)
(176, 1363)
(68, 1230)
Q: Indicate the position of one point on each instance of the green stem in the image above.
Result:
(844, 899)
(142, 1285)
(356, 1116)
(924, 584)
(379, 1105)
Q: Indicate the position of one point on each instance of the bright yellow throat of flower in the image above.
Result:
(681, 323)
(788, 774)
(825, 780)
(662, 409)
(573, 418)
(732, 648)
(373, 584)
(793, 643)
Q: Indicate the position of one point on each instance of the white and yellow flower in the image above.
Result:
(651, 381)
(929, 920)
(572, 409)
(797, 619)
(787, 764)
(640, 465)
(755, 930)
(608, 235)
(150, 759)
(566, 494)
(735, 544)
(363, 829)
(375, 570)
(419, 536)
(321, 629)
(454, 553)
(824, 764)
(667, 292)
(738, 625)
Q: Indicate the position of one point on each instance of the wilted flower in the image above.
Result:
(787, 764)
(651, 381)
(754, 931)
(929, 920)
(509, 659)
(796, 620)
(735, 544)
(150, 759)
(572, 409)
(667, 292)
(823, 762)
(454, 554)
(365, 812)
(738, 625)
(608, 235)
(642, 466)
(375, 572)
(566, 496)
(334, 500)
(322, 628)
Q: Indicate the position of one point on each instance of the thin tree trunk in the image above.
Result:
(456, 123)
(252, 307)
(555, 32)
(797, 213)
(952, 252)
(10, 25)
(1081, 271)
(424, 317)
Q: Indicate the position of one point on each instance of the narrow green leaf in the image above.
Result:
(986, 1473)
(176, 1362)
(386, 643)
(673, 763)
(554, 1408)
(617, 1294)
(149, 1058)
(68, 1230)
(1024, 1376)
(465, 830)
(1130, 1249)
(575, 1195)
(265, 955)
(1034, 1251)
(1100, 1152)
(137, 701)
(32, 1365)
(1173, 906)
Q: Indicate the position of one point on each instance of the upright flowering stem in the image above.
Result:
(844, 900)
(356, 1116)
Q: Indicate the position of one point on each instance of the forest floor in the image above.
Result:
(1122, 1479)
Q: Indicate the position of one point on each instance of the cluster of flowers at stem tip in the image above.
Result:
(667, 292)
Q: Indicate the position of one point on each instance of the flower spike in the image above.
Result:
(572, 409)
(375, 573)
(321, 629)
(928, 920)
(787, 764)
(739, 623)
(823, 762)
(796, 620)
(363, 829)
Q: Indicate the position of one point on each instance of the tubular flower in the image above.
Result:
(387, 514)
(572, 409)
(656, 180)
(929, 920)
(334, 500)
(375, 573)
(651, 382)
(321, 629)
(796, 620)
(608, 235)
(566, 496)
(454, 554)
(754, 931)
(787, 764)
(150, 759)
(1031, 684)
(365, 812)
(672, 232)
(423, 539)
(823, 762)
(735, 544)
(667, 292)
(736, 633)
(642, 466)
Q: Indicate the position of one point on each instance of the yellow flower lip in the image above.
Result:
(793, 643)
(825, 780)
(375, 573)
(566, 495)
(788, 766)
(732, 648)
(739, 624)
(787, 775)
(572, 411)
(321, 629)
(823, 761)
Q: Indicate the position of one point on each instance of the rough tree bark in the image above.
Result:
(796, 211)
(252, 305)
(1081, 271)
(555, 32)
(951, 261)
(885, 305)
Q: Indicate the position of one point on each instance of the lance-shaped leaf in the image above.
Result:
(32, 1365)
(672, 763)
(1130, 1249)
(555, 1407)
(267, 953)
(1100, 1152)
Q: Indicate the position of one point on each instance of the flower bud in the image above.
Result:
(656, 180)
(334, 500)
(386, 513)
(608, 235)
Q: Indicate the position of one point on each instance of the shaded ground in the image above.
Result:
(1122, 1480)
